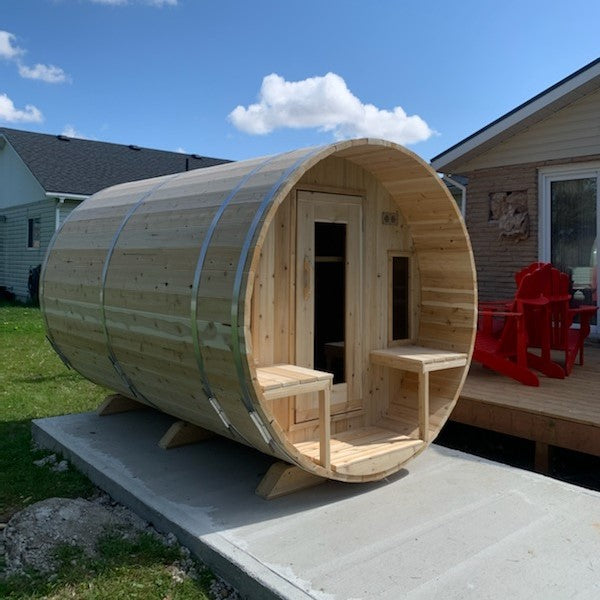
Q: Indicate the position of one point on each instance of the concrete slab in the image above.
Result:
(451, 525)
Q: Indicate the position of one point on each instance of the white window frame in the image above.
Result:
(546, 176)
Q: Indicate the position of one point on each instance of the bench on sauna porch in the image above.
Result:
(366, 443)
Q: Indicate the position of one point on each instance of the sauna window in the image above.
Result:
(400, 297)
(330, 299)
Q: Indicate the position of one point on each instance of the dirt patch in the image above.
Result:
(32, 536)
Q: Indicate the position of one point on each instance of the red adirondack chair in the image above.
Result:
(560, 319)
(506, 352)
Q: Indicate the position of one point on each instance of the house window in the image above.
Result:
(34, 233)
(399, 301)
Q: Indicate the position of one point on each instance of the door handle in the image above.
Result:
(307, 277)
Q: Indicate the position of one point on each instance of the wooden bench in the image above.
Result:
(420, 360)
(281, 381)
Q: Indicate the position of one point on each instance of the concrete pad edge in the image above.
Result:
(245, 573)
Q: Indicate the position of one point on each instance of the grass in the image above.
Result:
(34, 383)
(123, 569)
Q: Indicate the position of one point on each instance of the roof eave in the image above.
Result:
(555, 97)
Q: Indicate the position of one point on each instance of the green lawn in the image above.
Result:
(35, 383)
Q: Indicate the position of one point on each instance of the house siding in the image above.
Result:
(497, 259)
(2, 255)
(18, 183)
(574, 131)
(18, 258)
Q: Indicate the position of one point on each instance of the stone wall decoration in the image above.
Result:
(509, 210)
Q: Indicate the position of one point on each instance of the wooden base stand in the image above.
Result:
(282, 479)
(182, 433)
(115, 403)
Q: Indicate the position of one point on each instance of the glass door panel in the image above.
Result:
(329, 298)
(574, 235)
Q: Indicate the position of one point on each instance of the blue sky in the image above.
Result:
(171, 74)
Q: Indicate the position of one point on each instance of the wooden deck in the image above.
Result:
(560, 412)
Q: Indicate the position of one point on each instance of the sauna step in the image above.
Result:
(351, 451)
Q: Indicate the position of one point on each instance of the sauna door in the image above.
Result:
(329, 297)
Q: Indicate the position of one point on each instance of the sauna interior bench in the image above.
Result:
(420, 360)
(281, 381)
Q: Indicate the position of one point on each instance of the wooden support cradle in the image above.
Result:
(115, 403)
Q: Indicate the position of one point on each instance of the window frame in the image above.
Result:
(30, 233)
(410, 305)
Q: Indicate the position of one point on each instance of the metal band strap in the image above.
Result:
(58, 351)
(236, 342)
(111, 355)
(206, 387)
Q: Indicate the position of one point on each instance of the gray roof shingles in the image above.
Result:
(78, 166)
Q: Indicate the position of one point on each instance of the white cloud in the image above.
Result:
(47, 73)
(325, 103)
(8, 49)
(182, 150)
(8, 112)
(70, 131)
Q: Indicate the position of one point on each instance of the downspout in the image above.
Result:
(59, 201)
(463, 193)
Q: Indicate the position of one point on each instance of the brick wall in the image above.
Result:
(496, 258)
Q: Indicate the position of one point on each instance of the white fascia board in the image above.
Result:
(514, 118)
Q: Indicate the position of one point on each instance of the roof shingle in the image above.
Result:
(78, 166)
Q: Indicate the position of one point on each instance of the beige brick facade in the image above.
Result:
(498, 258)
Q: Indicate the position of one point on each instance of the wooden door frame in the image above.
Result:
(319, 207)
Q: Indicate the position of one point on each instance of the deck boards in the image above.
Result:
(358, 445)
(561, 412)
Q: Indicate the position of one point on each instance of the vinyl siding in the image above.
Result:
(18, 259)
(17, 184)
(574, 131)
(2, 255)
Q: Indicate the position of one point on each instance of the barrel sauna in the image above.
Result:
(318, 305)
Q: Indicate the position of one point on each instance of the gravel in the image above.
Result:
(29, 538)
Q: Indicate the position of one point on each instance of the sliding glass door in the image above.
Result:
(570, 218)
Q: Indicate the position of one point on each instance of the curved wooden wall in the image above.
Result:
(147, 285)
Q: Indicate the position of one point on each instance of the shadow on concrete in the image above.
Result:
(215, 478)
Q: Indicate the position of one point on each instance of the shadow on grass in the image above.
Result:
(63, 376)
(138, 566)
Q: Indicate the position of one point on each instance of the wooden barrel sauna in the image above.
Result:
(318, 305)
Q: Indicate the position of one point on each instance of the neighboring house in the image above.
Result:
(43, 177)
(533, 188)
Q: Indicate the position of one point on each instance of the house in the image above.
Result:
(44, 177)
(533, 186)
